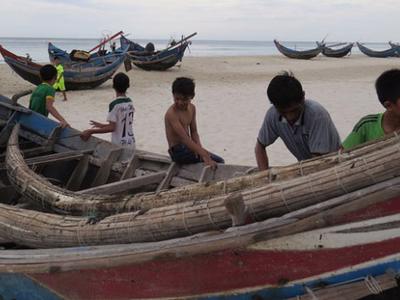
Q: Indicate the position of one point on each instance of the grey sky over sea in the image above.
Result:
(254, 20)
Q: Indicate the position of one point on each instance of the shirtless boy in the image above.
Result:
(181, 128)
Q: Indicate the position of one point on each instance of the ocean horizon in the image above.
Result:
(37, 47)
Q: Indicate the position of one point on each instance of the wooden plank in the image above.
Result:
(78, 175)
(171, 172)
(51, 158)
(131, 167)
(53, 137)
(207, 174)
(177, 181)
(125, 185)
(105, 168)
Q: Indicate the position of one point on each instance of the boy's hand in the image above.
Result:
(85, 135)
(64, 124)
(209, 162)
(96, 124)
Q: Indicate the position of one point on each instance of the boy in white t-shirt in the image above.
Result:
(120, 116)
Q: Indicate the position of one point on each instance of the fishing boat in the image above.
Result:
(159, 60)
(334, 51)
(246, 262)
(99, 58)
(142, 218)
(77, 76)
(391, 52)
(297, 54)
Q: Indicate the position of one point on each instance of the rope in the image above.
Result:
(210, 217)
(184, 222)
(283, 197)
(373, 285)
(339, 181)
(366, 172)
(301, 167)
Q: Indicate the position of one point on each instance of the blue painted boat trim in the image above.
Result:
(293, 290)
(20, 287)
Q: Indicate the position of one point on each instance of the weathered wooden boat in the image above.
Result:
(94, 59)
(77, 76)
(159, 60)
(245, 262)
(297, 54)
(195, 209)
(333, 51)
(391, 52)
(99, 58)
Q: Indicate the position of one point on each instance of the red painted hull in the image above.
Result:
(219, 272)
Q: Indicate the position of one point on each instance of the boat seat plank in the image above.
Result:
(125, 185)
(104, 171)
(79, 173)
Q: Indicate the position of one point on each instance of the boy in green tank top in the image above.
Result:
(42, 98)
(372, 127)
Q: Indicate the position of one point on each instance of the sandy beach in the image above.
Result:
(230, 98)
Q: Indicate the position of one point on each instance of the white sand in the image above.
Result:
(230, 98)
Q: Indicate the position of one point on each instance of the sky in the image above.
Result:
(251, 20)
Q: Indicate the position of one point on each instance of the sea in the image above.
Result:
(37, 47)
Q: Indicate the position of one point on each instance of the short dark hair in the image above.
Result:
(388, 86)
(121, 82)
(48, 72)
(183, 86)
(285, 90)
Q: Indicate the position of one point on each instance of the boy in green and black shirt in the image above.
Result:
(372, 127)
(42, 98)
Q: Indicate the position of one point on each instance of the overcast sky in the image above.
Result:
(262, 20)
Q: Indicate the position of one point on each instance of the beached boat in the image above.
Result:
(334, 51)
(297, 54)
(159, 216)
(77, 76)
(391, 52)
(99, 58)
(159, 60)
(246, 262)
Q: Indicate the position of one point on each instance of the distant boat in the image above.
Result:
(77, 77)
(305, 54)
(158, 60)
(331, 51)
(391, 52)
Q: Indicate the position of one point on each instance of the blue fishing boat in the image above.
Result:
(79, 76)
(148, 59)
(297, 54)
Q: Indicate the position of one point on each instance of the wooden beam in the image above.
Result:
(78, 175)
(125, 185)
(171, 172)
(104, 171)
(51, 158)
(131, 167)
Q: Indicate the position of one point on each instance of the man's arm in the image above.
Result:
(261, 156)
(184, 138)
(54, 112)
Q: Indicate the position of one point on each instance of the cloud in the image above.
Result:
(222, 19)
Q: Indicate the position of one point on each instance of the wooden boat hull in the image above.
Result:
(161, 61)
(391, 52)
(76, 78)
(342, 52)
(307, 54)
(258, 270)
